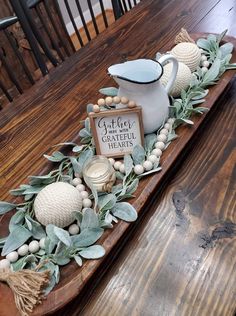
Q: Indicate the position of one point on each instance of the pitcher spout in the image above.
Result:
(140, 71)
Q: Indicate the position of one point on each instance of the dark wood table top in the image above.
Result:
(180, 259)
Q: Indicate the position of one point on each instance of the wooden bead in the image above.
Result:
(147, 165)
(203, 58)
(157, 151)
(167, 126)
(122, 168)
(204, 70)
(161, 138)
(116, 100)
(205, 63)
(131, 104)
(96, 108)
(124, 100)
(101, 102)
(109, 100)
(164, 131)
(138, 169)
(160, 145)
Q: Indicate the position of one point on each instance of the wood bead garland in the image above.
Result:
(113, 100)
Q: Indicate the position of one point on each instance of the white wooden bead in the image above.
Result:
(205, 63)
(101, 102)
(4, 264)
(73, 229)
(96, 108)
(84, 194)
(157, 152)
(160, 145)
(109, 100)
(138, 169)
(152, 158)
(87, 203)
(164, 131)
(167, 125)
(76, 181)
(42, 243)
(201, 50)
(80, 187)
(23, 250)
(204, 70)
(12, 256)
(124, 100)
(131, 104)
(112, 161)
(161, 138)
(147, 165)
(122, 168)
(117, 165)
(203, 58)
(33, 246)
(116, 100)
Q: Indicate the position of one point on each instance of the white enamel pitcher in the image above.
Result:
(138, 80)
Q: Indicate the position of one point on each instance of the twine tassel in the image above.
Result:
(183, 36)
(27, 287)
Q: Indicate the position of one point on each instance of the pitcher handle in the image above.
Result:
(174, 71)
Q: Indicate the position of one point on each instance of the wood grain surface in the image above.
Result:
(170, 243)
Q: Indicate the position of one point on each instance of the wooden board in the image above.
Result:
(74, 279)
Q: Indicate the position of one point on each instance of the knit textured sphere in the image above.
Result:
(56, 203)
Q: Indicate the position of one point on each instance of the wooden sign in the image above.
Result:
(116, 132)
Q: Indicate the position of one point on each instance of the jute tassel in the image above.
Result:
(183, 36)
(27, 287)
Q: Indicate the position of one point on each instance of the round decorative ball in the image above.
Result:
(187, 53)
(182, 80)
(138, 169)
(12, 256)
(33, 246)
(152, 158)
(84, 194)
(76, 181)
(73, 229)
(87, 203)
(117, 165)
(112, 161)
(204, 70)
(147, 165)
(160, 145)
(23, 250)
(56, 203)
(161, 138)
(42, 243)
(96, 108)
(157, 152)
(4, 264)
(122, 168)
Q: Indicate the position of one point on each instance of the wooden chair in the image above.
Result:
(9, 69)
(124, 6)
(82, 24)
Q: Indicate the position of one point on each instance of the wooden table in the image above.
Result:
(179, 258)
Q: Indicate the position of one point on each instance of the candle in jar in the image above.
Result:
(97, 170)
(99, 173)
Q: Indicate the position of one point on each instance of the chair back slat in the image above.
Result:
(48, 32)
(83, 20)
(73, 22)
(63, 25)
(103, 13)
(10, 72)
(18, 55)
(4, 89)
(93, 16)
(55, 28)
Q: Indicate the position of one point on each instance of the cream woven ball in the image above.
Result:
(182, 80)
(55, 204)
(187, 53)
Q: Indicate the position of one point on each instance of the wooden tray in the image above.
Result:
(74, 279)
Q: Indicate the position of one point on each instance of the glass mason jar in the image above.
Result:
(99, 172)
